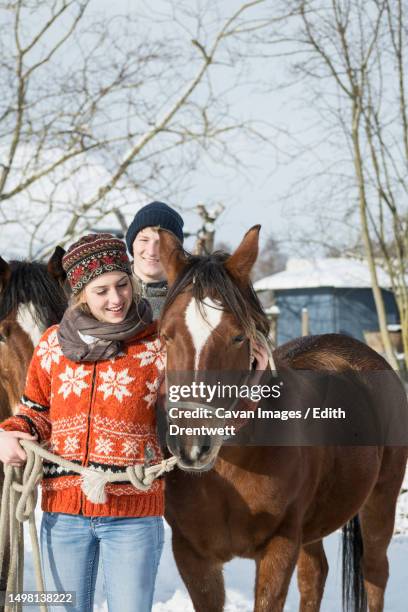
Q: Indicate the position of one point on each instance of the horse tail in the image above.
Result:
(354, 593)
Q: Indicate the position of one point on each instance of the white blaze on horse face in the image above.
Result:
(27, 321)
(201, 327)
(194, 452)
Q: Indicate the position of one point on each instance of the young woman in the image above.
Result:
(90, 393)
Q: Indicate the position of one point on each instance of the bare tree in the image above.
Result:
(351, 57)
(205, 235)
(270, 260)
(97, 114)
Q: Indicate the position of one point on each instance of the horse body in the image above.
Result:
(32, 298)
(258, 497)
(273, 504)
(15, 353)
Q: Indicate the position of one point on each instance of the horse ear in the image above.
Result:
(242, 260)
(54, 265)
(5, 272)
(172, 255)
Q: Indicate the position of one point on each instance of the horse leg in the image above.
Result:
(274, 569)
(377, 517)
(312, 569)
(203, 577)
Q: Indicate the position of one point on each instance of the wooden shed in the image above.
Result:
(336, 292)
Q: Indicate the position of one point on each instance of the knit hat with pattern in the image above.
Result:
(92, 256)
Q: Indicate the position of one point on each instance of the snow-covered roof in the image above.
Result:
(322, 272)
(273, 310)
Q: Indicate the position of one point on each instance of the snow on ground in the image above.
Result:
(171, 595)
(401, 519)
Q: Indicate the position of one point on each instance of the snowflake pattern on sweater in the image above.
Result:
(115, 384)
(49, 350)
(95, 414)
(72, 381)
(153, 354)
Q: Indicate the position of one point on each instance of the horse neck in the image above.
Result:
(15, 357)
(28, 321)
(5, 407)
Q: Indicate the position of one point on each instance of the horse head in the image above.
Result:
(33, 295)
(209, 320)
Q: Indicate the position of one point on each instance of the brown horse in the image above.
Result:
(272, 504)
(32, 297)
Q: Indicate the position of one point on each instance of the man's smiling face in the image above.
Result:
(146, 256)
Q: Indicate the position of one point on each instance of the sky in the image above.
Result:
(255, 192)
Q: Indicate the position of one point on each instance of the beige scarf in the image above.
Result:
(84, 338)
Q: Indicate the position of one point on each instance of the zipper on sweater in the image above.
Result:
(89, 414)
(85, 461)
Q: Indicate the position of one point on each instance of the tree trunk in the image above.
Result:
(365, 233)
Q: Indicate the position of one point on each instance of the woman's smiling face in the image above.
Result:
(109, 296)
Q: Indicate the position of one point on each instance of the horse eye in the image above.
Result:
(237, 339)
(164, 338)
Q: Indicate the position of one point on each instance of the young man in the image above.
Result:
(142, 239)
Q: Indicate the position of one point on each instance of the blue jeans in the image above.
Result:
(130, 550)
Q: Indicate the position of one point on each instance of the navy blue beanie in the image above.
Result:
(155, 214)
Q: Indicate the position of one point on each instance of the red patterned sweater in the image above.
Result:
(95, 414)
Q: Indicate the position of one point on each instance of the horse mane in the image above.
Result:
(30, 282)
(206, 276)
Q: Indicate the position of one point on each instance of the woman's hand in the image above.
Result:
(261, 355)
(11, 451)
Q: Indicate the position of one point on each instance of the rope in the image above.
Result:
(20, 497)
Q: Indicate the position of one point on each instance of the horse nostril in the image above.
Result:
(185, 458)
(194, 453)
(206, 445)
